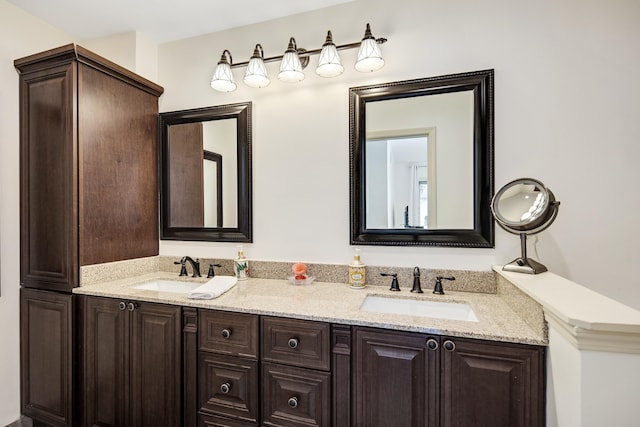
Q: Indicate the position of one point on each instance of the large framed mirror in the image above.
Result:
(421, 162)
(205, 174)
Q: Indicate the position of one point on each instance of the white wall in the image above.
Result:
(20, 35)
(567, 86)
(566, 113)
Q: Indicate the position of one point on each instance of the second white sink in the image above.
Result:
(174, 286)
(424, 308)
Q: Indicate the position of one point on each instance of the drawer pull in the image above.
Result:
(449, 345)
(226, 333)
(122, 306)
(225, 388)
(293, 342)
(131, 306)
(432, 344)
(293, 402)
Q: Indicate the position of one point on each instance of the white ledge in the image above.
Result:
(589, 320)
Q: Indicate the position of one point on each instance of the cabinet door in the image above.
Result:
(48, 180)
(46, 321)
(395, 378)
(492, 384)
(106, 369)
(156, 368)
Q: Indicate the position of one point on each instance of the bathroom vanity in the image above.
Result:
(271, 353)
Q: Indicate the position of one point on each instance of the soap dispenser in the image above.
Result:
(357, 272)
(241, 265)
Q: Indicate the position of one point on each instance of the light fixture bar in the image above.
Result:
(306, 53)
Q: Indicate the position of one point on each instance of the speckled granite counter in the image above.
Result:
(504, 316)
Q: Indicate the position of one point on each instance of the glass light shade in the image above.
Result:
(369, 55)
(329, 63)
(290, 67)
(256, 74)
(222, 80)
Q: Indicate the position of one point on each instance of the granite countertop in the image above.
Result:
(337, 303)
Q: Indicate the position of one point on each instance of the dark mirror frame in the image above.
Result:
(482, 234)
(244, 230)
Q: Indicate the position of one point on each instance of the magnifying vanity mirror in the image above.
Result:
(524, 206)
(421, 161)
(205, 174)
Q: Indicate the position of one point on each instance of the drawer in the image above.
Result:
(228, 386)
(208, 420)
(295, 396)
(294, 342)
(229, 333)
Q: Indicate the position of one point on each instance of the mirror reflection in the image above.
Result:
(421, 161)
(416, 149)
(206, 174)
(203, 171)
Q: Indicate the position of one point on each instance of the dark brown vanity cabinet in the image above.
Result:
(88, 194)
(46, 346)
(88, 165)
(228, 387)
(296, 377)
(412, 379)
(131, 362)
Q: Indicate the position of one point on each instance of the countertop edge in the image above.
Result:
(493, 330)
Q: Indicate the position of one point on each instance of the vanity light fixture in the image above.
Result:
(256, 74)
(329, 62)
(291, 67)
(222, 80)
(295, 59)
(369, 55)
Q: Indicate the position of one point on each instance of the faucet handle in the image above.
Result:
(437, 289)
(212, 273)
(183, 267)
(394, 281)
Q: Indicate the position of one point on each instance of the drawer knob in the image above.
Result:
(225, 388)
(122, 306)
(293, 402)
(226, 333)
(432, 344)
(131, 306)
(293, 342)
(449, 345)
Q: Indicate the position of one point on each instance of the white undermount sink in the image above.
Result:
(174, 286)
(414, 307)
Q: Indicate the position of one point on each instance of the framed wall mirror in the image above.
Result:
(421, 162)
(205, 174)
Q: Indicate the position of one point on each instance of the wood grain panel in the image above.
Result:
(46, 347)
(117, 128)
(186, 189)
(489, 383)
(396, 379)
(48, 195)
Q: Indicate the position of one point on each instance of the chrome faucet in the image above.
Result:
(195, 265)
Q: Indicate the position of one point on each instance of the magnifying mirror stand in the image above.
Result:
(524, 264)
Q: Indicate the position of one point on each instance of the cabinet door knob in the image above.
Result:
(226, 333)
(293, 402)
(225, 388)
(449, 345)
(122, 306)
(131, 306)
(432, 344)
(293, 342)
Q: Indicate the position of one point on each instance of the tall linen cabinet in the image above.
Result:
(88, 195)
